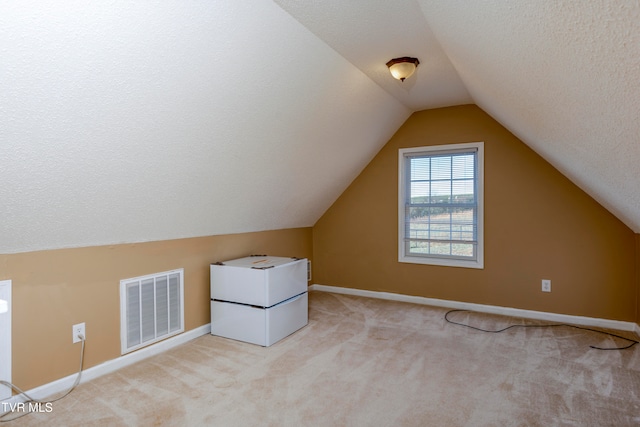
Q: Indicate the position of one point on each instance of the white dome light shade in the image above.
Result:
(404, 67)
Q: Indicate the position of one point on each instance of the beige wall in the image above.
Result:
(52, 290)
(538, 225)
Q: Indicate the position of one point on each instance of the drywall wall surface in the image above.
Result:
(53, 290)
(538, 225)
(125, 122)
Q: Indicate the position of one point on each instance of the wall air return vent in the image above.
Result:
(151, 309)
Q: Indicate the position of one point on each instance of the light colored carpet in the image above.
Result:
(368, 362)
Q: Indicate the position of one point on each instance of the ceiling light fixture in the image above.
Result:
(404, 67)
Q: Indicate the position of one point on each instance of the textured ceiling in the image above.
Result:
(564, 76)
(371, 32)
(134, 121)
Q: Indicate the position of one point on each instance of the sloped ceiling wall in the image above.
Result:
(564, 76)
(135, 121)
(371, 32)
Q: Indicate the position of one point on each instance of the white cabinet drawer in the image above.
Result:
(262, 326)
(259, 280)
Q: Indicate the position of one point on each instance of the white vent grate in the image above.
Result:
(151, 309)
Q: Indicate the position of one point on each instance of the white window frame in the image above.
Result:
(403, 178)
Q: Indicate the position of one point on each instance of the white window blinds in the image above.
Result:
(441, 203)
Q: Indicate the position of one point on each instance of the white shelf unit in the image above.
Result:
(259, 299)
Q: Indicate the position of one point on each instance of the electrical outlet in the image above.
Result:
(78, 330)
(546, 285)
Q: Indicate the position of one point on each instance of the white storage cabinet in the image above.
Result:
(259, 299)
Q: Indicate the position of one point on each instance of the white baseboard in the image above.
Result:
(507, 311)
(63, 384)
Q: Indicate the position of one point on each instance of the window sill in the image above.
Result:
(443, 262)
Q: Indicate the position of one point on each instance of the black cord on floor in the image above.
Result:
(552, 325)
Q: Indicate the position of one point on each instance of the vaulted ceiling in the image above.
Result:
(134, 121)
(563, 76)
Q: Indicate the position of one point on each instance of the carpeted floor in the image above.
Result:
(369, 362)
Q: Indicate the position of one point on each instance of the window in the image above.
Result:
(440, 205)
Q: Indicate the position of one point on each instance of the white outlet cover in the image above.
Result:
(78, 328)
